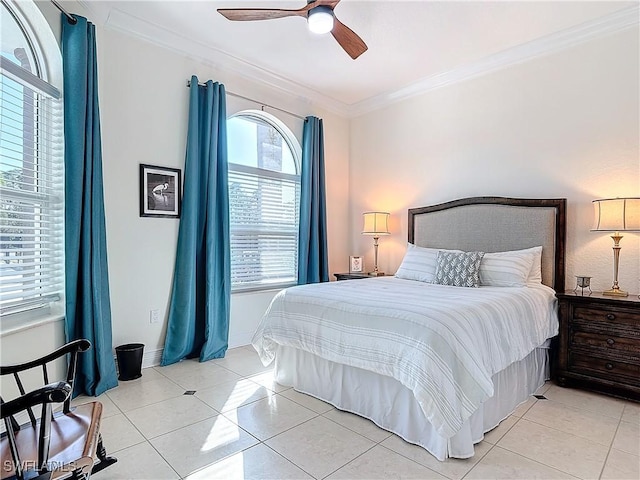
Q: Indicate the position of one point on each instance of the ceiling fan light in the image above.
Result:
(320, 19)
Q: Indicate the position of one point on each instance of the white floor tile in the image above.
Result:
(136, 396)
(380, 463)
(503, 464)
(243, 362)
(320, 446)
(361, 425)
(628, 438)
(452, 468)
(138, 462)
(493, 436)
(524, 407)
(266, 380)
(148, 374)
(194, 375)
(118, 433)
(621, 466)
(580, 422)
(169, 415)
(270, 416)
(109, 408)
(231, 395)
(565, 452)
(594, 402)
(255, 463)
(631, 413)
(543, 388)
(307, 401)
(192, 448)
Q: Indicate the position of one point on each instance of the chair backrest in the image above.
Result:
(72, 349)
(59, 392)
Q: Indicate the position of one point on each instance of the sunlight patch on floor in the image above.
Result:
(223, 433)
(230, 467)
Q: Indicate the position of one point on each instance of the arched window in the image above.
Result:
(31, 164)
(264, 201)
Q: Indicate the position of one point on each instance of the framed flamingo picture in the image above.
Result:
(160, 191)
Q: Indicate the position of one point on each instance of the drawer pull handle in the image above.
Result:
(610, 341)
(611, 316)
(609, 366)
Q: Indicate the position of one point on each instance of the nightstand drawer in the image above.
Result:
(609, 368)
(605, 341)
(618, 316)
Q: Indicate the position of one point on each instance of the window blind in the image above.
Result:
(263, 209)
(31, 193)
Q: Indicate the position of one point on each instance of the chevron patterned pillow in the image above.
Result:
(458, 269)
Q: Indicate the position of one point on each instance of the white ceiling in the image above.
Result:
(413, 45)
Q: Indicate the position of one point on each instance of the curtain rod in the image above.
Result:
(70, 17)
(254, 101)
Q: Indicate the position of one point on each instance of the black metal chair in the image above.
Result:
(63, 444)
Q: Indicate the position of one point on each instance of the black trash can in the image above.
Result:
(129, 358)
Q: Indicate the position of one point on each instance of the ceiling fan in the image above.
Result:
(320, 17)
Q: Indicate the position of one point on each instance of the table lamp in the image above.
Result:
(375, 224)
(616, 215)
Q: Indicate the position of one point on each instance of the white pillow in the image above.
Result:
(535, 275)
(508, 269)
(419, 263)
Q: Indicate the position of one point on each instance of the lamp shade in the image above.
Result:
(375, 223)
(617, 215)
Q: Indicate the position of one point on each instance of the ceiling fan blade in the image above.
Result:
(348, 40)
(242, 14)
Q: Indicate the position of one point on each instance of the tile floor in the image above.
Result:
(240, 424)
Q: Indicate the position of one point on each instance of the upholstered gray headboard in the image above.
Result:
(496, 224)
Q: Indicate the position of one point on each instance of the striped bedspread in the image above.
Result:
(443, 343)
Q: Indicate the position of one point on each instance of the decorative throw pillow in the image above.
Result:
(507, 269)
(458, 269)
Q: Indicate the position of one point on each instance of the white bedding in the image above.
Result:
(411, 331)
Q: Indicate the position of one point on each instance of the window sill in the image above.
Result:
(22, 322)
(263, 288)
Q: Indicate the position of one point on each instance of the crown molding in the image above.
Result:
(99, 11)
(552, 43)
(120, 21)
(219, 60)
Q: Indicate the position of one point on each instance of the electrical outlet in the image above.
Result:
(154, 316)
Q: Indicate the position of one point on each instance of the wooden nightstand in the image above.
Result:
(599, 343)
(352, 276)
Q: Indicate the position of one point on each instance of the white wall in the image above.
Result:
(563, 125)
(144, 108)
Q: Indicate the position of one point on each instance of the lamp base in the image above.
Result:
(376, 274)
(616, 292)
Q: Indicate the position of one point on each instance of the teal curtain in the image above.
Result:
(199, 310)
(313, 264)
(88, 311)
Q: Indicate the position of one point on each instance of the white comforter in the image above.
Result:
(443, 343)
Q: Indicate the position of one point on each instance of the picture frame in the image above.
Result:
(160, 191)
(356, 264)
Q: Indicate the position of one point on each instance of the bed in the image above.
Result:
(438, 365)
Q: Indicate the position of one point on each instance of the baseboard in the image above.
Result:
(153, 358)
